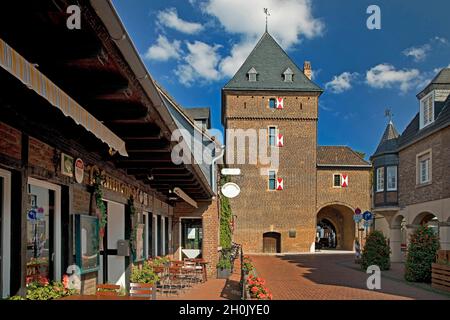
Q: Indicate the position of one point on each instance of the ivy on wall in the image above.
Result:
(225, 219)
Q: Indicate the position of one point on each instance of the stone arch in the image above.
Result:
(398, 238)
(341, 216)
(423, 218)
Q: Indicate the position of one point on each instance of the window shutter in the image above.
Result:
(280, 140)
(280, 184)
(344, 181)
(280, 103)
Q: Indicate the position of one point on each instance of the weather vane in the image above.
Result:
(388, 114)
(266, 11)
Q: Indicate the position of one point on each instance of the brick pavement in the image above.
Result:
(332, 276)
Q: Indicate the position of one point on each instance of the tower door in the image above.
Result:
(271, 242)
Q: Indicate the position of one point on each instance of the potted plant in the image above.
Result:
(257, 289)
(45, 290)
(143, 274)
(224, 266)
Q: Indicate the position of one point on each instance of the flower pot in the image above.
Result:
(223, 273)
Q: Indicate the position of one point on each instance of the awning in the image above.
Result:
(15, 64)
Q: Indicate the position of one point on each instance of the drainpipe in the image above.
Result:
(213, 166)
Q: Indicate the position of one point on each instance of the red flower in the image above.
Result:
(66, 281)
(254, 289)
(261, 296)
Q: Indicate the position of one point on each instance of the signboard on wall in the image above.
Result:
(79, 170)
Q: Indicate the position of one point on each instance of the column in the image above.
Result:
(444, 235)
(395, 240)
(410, 229)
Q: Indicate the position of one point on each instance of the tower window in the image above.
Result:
(337, 180)
(272, 135)
(272, 103)
(288, 75)
(272, 180)
(252, 75)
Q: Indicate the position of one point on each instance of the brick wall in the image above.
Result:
(259, 210)
(409, 191)
(10, 142)
(357, 194)
(209, 212)
(41, 155)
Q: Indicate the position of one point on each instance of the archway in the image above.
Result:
(326, 235)
(272, 242)
(427, 219)
(340, 227)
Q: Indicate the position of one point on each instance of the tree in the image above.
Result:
(376, 251)
(422, 248)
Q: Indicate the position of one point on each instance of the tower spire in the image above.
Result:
(388, 114)
(266, 11)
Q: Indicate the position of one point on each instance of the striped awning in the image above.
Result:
(23, 70)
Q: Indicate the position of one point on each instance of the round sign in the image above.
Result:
(79, 170)
(357, 211)
(367, 216)
(230, 190)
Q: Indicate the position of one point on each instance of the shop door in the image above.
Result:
(191, 238)
(43, 231)
(112, 266)
(5, 232)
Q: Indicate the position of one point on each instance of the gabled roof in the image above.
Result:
(413, 132)
(270, 61)
(199, 114)
(389, 141)
(441, 81)
(339, 156)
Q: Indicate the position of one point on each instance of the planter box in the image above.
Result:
(443, 255)
(440, 276)
(223, 273)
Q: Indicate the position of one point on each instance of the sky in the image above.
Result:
(193, 48)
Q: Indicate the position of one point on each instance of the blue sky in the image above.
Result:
(192, 47)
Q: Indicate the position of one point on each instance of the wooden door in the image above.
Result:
(271, 242)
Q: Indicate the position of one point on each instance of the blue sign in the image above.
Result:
(32, 215)
(367, 216)
(357, 217)
(367, 223)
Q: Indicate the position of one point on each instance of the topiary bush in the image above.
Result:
(376, 251)
(422, 248)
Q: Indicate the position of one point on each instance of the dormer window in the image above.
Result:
(287, 75)
(252, 75)
(427, 110)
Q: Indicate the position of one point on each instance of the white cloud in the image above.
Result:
(164, 50)
(342, 82)
(201, 64)
(170, 19)
(289, 21)
(420, 53)
(386, 76)
(238, 53)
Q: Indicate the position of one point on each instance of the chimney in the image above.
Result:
(307, 69)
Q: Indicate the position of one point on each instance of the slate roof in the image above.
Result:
(199, 114)
(339, 156)
(389, 141)
(412, 132)
(441, 81)
(270, 61)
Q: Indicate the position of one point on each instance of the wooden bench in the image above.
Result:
(143, 290)
(111, 290)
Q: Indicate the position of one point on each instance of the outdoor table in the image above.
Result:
(203, 264)
(95, 297)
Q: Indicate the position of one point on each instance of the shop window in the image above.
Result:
(191, 238)
(166, 233)
(160, 235)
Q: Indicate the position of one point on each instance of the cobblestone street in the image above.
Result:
(333, 276)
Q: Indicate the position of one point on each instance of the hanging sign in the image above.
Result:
(230, 190)
(344, 181)
(66, 165)
(279, 185)
(280, 103)
(79, 170)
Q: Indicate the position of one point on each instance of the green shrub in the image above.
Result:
(144, 274)
(376, 251)
(224, 260)
(422, 248)
(49, 291)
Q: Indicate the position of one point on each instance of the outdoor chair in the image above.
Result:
(143, 290)
(110, 290)
(176, 280)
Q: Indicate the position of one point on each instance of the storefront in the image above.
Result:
(56, 134)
